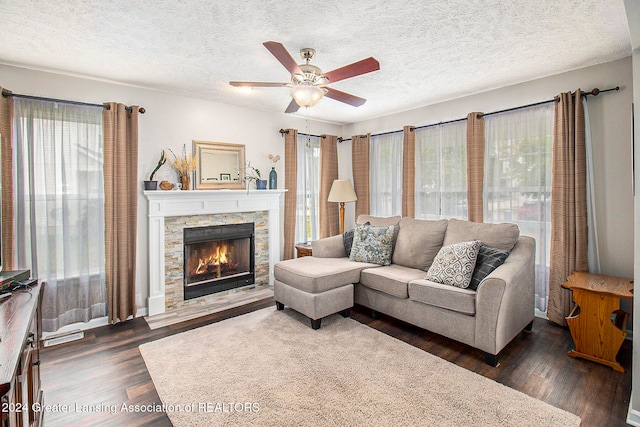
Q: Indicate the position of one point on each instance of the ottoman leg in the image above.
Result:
(315, 323)
(346, 312)
(279, 305)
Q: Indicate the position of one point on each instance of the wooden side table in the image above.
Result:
(303, 249)
(597, 324)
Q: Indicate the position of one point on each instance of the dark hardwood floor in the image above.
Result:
(105, 369)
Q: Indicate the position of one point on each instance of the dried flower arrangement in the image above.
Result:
(184, 165)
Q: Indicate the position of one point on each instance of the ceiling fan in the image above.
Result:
(308, 82)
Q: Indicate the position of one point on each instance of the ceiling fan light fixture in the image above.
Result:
(307, 95)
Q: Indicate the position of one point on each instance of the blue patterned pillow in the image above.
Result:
(454, 264)
(372, 244)
(347, 239)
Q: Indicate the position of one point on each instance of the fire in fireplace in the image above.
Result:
(218, 258)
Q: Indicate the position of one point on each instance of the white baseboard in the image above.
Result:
(91, 324)
(82, 326)
(541, 314)
(633, 416)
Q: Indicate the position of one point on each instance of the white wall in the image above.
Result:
(610, 115)
(172, 121)
(632, 8)
(169, 122)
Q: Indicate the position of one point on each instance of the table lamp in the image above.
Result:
(341, 192)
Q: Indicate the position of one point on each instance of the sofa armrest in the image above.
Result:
(329, 247)
(505, 302)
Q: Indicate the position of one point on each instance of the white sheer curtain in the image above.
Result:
(517, 185)
(592, 249)
(308, 185)
(59, 207)
(441, 171)
(385, 175)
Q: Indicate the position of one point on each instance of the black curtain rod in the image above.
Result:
(441, 123)
(7, 93)
(593, 92)
(284, 132)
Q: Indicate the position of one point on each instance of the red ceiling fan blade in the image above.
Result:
(282, 54)
(292, 107)
(357, 68)
(347, 98)
(257, 84)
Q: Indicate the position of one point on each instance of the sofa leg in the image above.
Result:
(529, 327)
(315, 323)
(491, 359)
(375, 315)
(346, 312)
(279, 305)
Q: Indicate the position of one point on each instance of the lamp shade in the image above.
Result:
(306, 95)
(342, 191)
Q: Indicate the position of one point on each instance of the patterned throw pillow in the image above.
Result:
(347, 239)
(372, 244)
(454, 264)
(488, 260)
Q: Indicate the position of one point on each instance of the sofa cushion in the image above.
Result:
(488, 260)
(418, 242)
(500, 236)
(372, 244)
(443, 296)
(392, 280)
(454, 264)
(314, 275)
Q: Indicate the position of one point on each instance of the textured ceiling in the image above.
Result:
(429, 50)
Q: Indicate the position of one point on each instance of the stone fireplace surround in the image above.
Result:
(169, 211)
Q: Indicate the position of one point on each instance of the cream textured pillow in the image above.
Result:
(454, 264)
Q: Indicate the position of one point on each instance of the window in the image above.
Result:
(59, 207)
(517, 185)
(441, 171)
(385, 174)
(308, 184)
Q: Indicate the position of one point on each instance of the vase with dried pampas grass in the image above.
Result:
(184, 165)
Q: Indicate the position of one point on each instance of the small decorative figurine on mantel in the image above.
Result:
(273, 175)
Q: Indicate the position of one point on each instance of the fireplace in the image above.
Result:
(218, 258)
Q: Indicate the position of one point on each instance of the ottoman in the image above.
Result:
(317, 287)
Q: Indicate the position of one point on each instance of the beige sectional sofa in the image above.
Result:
(487, 318)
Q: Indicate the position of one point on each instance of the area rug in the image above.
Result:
(269, 367)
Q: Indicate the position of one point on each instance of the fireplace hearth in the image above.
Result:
(218, 258)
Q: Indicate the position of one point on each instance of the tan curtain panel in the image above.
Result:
(121, 184)
(6, 130)
(475, 166)
(409, 172)
(360, 163)
(568, 202)
(290, 183)
(329, 223)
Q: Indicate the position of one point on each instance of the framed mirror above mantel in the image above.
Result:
(220, 165)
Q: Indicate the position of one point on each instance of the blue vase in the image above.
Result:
(273, 179)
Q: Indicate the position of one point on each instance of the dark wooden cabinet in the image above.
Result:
(20, 330)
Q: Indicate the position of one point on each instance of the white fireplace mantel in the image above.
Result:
(164, 204)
